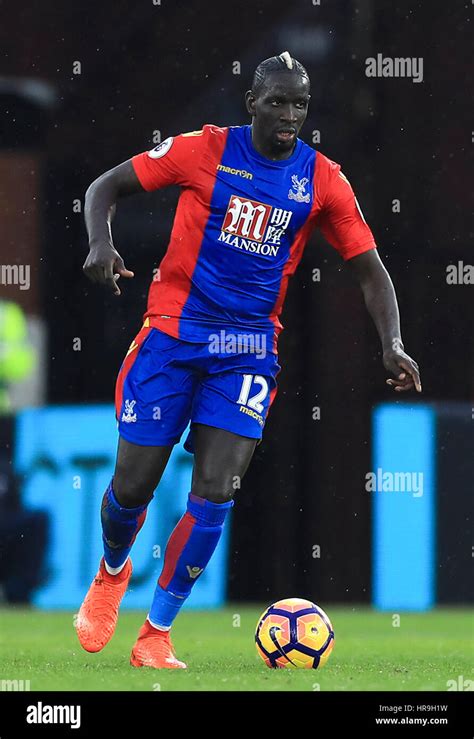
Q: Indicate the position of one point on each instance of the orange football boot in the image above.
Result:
(97, 617)
(154, 648)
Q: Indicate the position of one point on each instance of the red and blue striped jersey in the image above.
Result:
(240, 228)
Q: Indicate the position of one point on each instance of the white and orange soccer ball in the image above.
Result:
(294, 633)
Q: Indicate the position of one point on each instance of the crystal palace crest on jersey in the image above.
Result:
(297, 190)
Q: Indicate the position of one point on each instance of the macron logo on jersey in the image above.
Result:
(253, 226)
(238, 172)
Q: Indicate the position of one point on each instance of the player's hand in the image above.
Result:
(404, 369)
(105, 266)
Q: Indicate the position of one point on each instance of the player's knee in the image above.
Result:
(215, 489)
(130, 490)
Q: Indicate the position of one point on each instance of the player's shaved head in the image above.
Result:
(284, 62)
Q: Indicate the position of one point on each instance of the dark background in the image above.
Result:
(169, 67)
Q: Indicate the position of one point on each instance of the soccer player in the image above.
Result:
(207, 351)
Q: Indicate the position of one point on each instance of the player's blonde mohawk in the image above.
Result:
(285, 56)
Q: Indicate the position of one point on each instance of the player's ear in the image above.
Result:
(250, 102)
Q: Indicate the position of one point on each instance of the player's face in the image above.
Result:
(279, 111)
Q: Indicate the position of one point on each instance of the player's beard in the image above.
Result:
(284, 141)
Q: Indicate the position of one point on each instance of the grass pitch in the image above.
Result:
(422, 653)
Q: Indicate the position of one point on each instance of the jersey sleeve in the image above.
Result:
(341, 220)
(173, 162)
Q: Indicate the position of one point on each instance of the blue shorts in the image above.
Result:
(165, 383)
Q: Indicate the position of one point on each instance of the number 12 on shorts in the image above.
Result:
(255, 401)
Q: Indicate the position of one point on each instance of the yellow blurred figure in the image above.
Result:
(17, 356)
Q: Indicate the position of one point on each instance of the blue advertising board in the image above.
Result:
(404, 515)
(66, 457)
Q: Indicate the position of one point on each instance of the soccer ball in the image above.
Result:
(294, 633)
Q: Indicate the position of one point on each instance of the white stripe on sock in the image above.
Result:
(115, 570)
(155, 626)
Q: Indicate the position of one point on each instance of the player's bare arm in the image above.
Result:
(104, 264)
(381, 302)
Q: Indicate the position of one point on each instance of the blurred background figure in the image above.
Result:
(17, 355)
(21, 531)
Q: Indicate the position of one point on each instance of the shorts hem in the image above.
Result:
(149, 442)
(225, 427)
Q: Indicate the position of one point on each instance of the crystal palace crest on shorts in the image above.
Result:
(128, 416)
